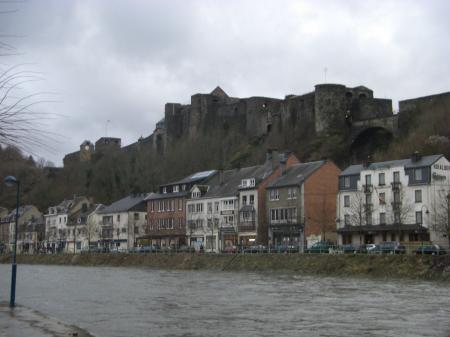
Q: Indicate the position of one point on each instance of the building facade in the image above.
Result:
(302, 199)
(167, 211)
(122, 222)
(401, 200)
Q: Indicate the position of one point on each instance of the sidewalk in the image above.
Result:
(24, 322)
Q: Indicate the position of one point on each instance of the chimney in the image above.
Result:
(275, 158)
(367, 161)
(221, 176)
(283, 166)
(415, 157)
(269, 155)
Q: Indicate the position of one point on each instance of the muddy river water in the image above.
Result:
(146, 302)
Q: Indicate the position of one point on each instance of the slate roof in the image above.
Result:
(198, 176)
(231, 181)
(125, 204)
(296, 174)
(22, 209)
(157, 196)
(406, 163)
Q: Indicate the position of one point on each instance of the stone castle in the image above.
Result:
(329, 109)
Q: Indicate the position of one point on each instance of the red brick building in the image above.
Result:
(166, 211)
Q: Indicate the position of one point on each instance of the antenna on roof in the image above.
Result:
(106, 127)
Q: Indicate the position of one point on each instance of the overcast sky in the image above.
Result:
(123, 60)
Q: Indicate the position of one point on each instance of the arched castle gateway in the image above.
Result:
(331, 109)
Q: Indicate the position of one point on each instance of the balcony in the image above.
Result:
(247, 227)
(368, 188)
(396, 185)
(368, 208)
(396, 204)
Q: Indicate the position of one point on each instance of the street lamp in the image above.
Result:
(11, 181)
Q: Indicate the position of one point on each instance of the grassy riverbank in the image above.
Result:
(378, 266)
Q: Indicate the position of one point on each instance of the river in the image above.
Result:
(146, 302)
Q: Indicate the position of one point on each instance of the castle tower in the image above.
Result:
(329, 106)
(86, 151)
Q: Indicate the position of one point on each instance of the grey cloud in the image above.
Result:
(122, 60)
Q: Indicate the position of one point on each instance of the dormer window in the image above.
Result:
(175, 189)
(164, 190)
(196, 194)
(183, 187)
(248, 182)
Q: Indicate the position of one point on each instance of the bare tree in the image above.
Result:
(22, 125)
(440, 213)
(359, 212)
(401, 210)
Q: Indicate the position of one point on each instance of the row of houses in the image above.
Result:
(279, 202)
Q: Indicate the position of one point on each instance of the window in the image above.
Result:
(418, 195)
(346, 219)
(382, 198)
(59, 220)
(136, 216)
(180, 204)
(164, 189)
(175, 189)
(244, 200)
(381, 180)
(209, 207)
(216, 206)
(252, 199)
(346, 201)
(419, 217)
(274, 195)
(124, 230)
(382, 218)
(368, 199)
(292, 193)
(346, 182)
(118, 217)
(396, 197)
(368, 180)
(418, 174)
(136, 230)
(152, 206)
(396, 177)
(368, 219)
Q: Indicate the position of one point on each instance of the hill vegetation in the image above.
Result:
(108, 177)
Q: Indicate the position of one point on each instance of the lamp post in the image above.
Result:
(10, 181)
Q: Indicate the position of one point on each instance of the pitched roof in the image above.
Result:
(218, 91)
(296, 174)
(406, 163)
(124, 204)
(198, 176)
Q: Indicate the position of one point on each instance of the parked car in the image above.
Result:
(255, 249)
(369, 247)
(230, 250)
(285, 249)
(321, 247)
(389, 248)
(186, 249)
(430, 250)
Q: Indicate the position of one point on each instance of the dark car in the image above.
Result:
(186, 249)
(321, 247)
(351, 249)
(389, 248)
(285, 249)
(431, 250)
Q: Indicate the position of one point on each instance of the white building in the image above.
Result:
(212, 212)
(56, 223)
(401, 200)
(122, 222)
